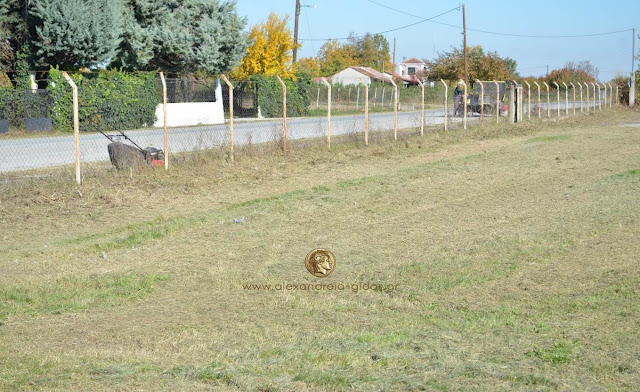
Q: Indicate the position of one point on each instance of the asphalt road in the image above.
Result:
(43, 152)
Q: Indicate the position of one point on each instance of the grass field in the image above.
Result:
(502, 259)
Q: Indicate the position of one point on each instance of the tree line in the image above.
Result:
(134, 35)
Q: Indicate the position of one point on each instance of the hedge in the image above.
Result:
(12, 106)
(269, 93)
(107, 100)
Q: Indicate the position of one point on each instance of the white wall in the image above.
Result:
(350, 76)
(192, 113)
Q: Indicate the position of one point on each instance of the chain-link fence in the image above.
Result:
(248, 116)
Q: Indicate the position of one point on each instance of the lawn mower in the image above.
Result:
(124, 156)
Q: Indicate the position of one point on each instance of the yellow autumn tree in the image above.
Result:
(309, 66)
(270, 52)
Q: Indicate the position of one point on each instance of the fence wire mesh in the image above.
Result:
(206, 115)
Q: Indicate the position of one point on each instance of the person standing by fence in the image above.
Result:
(457, 99)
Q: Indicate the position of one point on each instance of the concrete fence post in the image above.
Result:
(587, 88)
(395, 110)
(617, 96)
(573, 104)
(566, 99)
(328, 112)
(600, 96)
(497, 101)
(558, 98)
(366, 112)
(481, 103)
(421, 107)
(610, 95)
(284, 114)
(230, 86)
(548, 102)
(581, 106)
(512, 101)
(528, 100)
(76, 125)
(165, 114)
(594, 96)
(464, 105)
(446, 106)
(539, 103)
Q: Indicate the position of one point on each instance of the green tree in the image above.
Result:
(181, 36)
(74, 33)
(580, 72)
(13, 34)
(309, 66)
(481, 66)
(335, 56)
(372, 51)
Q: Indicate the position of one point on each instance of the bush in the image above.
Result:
(270, 96)
(11, 106)
(107, 100)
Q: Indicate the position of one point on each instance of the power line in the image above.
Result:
(306, 15)
(501, 33)
(386, 31)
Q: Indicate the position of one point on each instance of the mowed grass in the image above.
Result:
(497, 259)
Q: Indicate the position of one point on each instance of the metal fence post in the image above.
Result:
(497, 101)
(284, 114)
(76, 125)
(395, 110)
(481, 104)
(328, 112)
(164, 122)
(464, 106)
(421, 108)
(366, 112)
(228, 83)
(446, 108)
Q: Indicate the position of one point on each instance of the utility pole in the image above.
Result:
(632, 82)
(295, 32)
(464, 33)
(547, 70)
(394, 57)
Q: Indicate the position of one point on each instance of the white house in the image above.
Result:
(353, 75)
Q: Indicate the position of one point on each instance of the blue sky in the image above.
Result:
(611, 54)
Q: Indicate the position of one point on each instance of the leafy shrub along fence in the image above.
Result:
(269, 94)
(108, 100)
